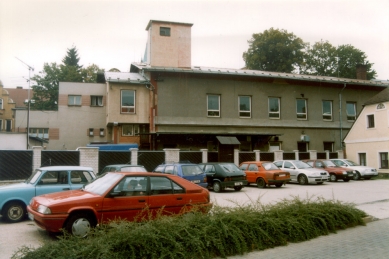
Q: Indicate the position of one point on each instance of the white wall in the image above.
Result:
(13, 141)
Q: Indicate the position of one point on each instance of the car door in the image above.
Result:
(252, 173)
(127, 200)
(52, 181)
(288, 166)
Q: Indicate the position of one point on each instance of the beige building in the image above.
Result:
(367, 143)
(7, 105)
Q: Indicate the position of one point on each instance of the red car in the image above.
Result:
(264, 173)
(336, 172)
(119, 195)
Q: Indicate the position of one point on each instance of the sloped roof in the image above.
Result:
(257, 73)
(19, 96)
(381, 97)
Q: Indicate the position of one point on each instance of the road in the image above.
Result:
(371, 196)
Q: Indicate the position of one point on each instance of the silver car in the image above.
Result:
(301, 172)
(361, 171)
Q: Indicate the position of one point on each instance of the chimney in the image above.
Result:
(361, 72)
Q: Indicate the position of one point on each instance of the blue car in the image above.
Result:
(14, 198)
(188, 171)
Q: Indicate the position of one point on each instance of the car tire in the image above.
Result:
(333, 178)
(302, 179)
(217, 187)
(14, 211)
(278, 185)
(261, 183)
(357, 176)
(79, 224)
(238, 188)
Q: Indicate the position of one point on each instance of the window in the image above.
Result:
(370, 121)
(1, 125)
(96, 101)
(384, 160)
(245, 106)
(253, 167)
(102, 132)
(380, 106)
(8, 125)
(302, 146)
(301, 109)
(1, 104)
(91, 133)
(41, 133)
(327, 110)
(74, 100)
(328, 146)
(130, 130)
(351, 111)
(362, 158)
(164, 31)
(128, 101)
(274, 108)
(213, 105)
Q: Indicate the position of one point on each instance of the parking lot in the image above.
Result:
(371, 196)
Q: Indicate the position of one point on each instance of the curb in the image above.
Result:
(369, 219)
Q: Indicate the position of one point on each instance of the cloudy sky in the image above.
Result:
(111, 33)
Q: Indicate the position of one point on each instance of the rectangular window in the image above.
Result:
(102, 132)
(213, 105)
(362, 158)
(1, 104)
(90, 132)
(41, 133)
(128, 101)
(245, 106)
(1, 125)
(274, 108)
(301, 109)
(96, 101)
(370, 121)
(164, 31)
(74, 100)
(327, 110)
(130, 130)
(328, 146)
(8, 125)
(384, 160)
(351, 111)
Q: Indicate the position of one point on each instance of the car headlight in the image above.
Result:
(43, 209)
(344, 172)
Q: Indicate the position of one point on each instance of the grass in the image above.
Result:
(221, 233)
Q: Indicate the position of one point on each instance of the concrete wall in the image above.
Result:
(13, 141)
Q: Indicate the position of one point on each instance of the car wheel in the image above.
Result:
(278, 185)
(303, 179)
(80, 224)
(217, 187)
(357, 176)
(333, 178)
(346, 180)
(238, 188)
(14, 211)
(261, 183)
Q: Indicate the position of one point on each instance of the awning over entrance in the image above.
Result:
(228, 140)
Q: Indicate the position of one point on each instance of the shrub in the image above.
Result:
(221, 233)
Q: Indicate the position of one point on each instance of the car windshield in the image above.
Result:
(329, 163)
(230, 168)
(102, 184)
(352, 163)
(189, 170)
(34, 177)
(133, 169)
(270, 166)
(301, 165)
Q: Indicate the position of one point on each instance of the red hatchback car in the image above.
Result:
(336, 172)
(120, 195)
(264, 173)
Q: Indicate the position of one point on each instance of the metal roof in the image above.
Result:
(125, 77)
(258, 73)
(228, 140)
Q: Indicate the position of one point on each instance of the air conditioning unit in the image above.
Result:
(305, 138)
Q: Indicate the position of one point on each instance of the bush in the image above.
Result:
(221, 233)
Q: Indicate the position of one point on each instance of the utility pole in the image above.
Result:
(30, 68)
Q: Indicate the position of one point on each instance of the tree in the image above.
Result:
(320, 60)
(89, 74)
(349, 58)
(72, 59)
(274, 50)
(71, 70)
(46, 90)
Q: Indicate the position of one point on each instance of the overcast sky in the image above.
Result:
(111, 33)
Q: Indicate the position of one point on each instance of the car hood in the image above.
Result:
(15, 186)
(74, 196)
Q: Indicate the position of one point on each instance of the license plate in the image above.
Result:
(30, 216)
(196, 181)
(281, 175)
(238, 183)
(324, 178)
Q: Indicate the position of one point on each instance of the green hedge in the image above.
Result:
(221, 233)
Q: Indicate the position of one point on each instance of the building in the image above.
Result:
(367, 142)
(7, 105)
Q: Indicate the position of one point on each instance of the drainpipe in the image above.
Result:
(340, 115)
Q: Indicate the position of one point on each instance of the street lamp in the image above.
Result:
(30, 68)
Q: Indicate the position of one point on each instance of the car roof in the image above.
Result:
(257, 162)
(66, 167)
(124, 165)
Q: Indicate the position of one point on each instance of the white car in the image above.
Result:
(361, 171)
(301, 172)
